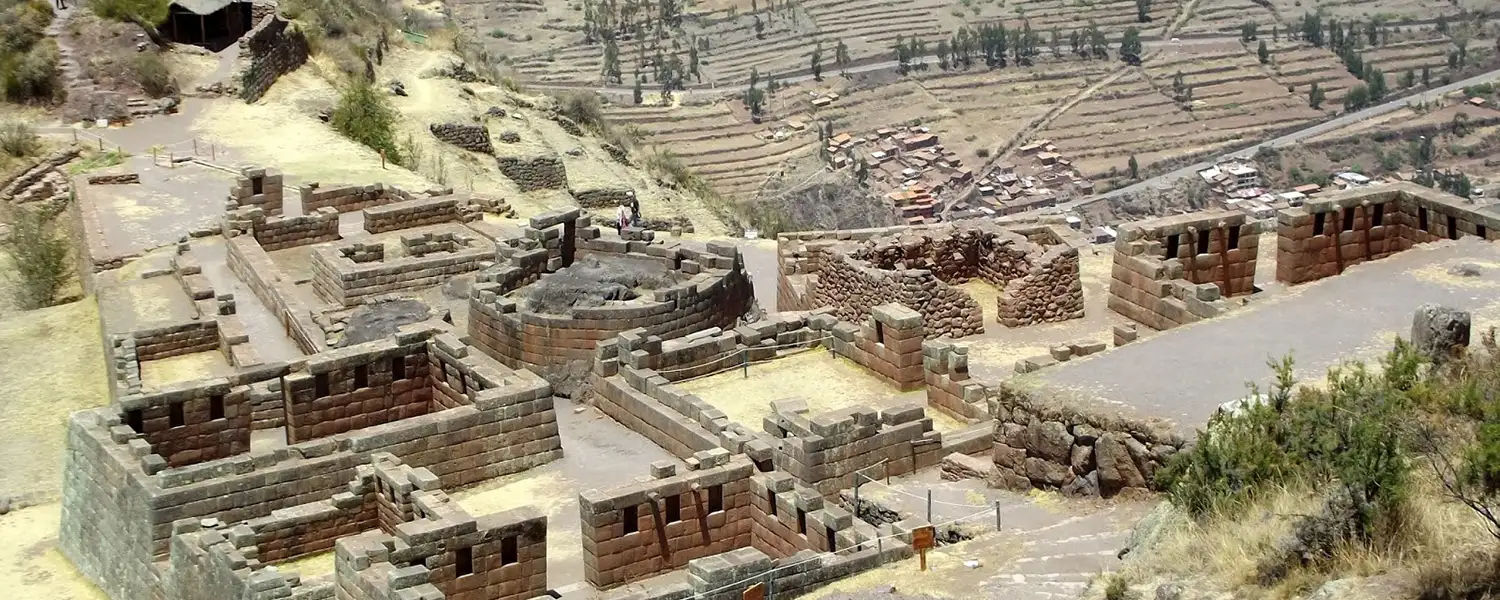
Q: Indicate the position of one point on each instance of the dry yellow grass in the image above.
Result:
(31, 565)
(156, 374)
(51, 364)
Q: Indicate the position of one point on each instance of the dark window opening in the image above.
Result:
(833, 545)
(1203, 239)
(1422, 218)
(879, 332)
(215, 408)
(1348, 219)
(136, 422)
(320, 385)
(674, 508)
(509, 554)
(1234, 238)
(463, 562)
(715, 498)
(361, 376)
(1377, 216)
(1452, 227)
(771, 497)
(257, 185)
(177, 417)
(1480, 231)
(398, 368)
(1172, 241)
(1318, 219)
(630, 518)
(801, 521)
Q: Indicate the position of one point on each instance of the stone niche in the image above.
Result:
(1034, 268)
(1178, 270)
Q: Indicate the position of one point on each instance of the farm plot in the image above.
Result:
(1390, 10)
(1226, 17)
(995, 106)
(1299, 66)
(1395, 59)
(1233, 99)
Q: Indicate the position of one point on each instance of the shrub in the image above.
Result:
(983, 152)
(18, 139)
(32, 76)
(1116, 588)
(40, 257)
(152, 73)
(365, 116)
(584, 109)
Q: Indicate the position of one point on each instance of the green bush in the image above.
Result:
(1351, 433)
(18, 139)
(1116, 588)
(365, 116)
(585, 109)
(40, 256)
(152, 73)
(31, 76)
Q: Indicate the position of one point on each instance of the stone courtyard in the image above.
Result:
(357, 391)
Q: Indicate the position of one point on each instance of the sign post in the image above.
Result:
(921, 539)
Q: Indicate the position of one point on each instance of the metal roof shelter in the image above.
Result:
(213, 24)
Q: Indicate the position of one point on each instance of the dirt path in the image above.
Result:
(76, 83)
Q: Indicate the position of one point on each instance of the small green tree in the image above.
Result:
(636, 94)
(817, 62)
(1426, 76)
(1263, 52)
(1130, 45)
(1315, 96)
(1357, 98)
(1143, 10)
(40, 256)
(1135, 168)
(364, 115)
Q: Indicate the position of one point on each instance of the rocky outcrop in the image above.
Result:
(1440, 333)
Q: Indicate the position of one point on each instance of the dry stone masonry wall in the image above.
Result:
(1178, 270)
(475, 138)
(353, 274)
(535, 173)
(1035, 267)
(1322, 238)
(411, 213)
(349, 198)
(273, 48)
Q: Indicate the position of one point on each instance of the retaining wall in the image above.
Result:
(411, 213)
(349, 198)
(273, 48)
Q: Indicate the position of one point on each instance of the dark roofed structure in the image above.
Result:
(213, 24)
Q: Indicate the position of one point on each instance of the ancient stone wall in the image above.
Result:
(1035, 267)
(1178, 270)
(117, 516)
(535, 173)
(888, 342)
(642, 529)
(356, 387)
(1047, 443)
(260, 188)
(607, 198)
(278, 233)
(1322, 238)
(350, 275)
(42, 181)
(273, 48)
(177, 339)
(475, 138)
(189, 423)
(349, 198)
(250, 264)
(715, 294)
(411, 213)
(825, 451)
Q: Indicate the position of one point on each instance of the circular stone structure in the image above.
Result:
(522, 317)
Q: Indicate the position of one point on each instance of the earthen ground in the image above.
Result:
(31, 566)
(161, 373)
(826, 381)
(130, 303)
(598, 453)
(51, 364)
(163, 207)
(1185, 373)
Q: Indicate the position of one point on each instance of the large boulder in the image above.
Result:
(1045, 472)
(1117, 470)
(1440, 333)
(1049, 440)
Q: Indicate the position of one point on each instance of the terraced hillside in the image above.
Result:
(1233, 99)
(1226, 16)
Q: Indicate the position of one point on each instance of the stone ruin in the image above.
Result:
(1035, 269)
(474, 138)
(1178, 270)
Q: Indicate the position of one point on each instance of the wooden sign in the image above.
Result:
(922, 539)
(755, 592)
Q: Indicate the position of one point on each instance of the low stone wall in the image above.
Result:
(411, 213)
(825, 451)
(475, 138)
(250, 264)
(1178, 270)
(165, 341)
(349, 198)
(607, 198)
(350, 275)
(536, 173)
(1046, 443)
(1323, 237)
(189, 423)
(279, 233)
(273, 48)
(1034, 265)
(42, 181)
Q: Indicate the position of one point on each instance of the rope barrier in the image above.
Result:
(987, 511)
(924, 498)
